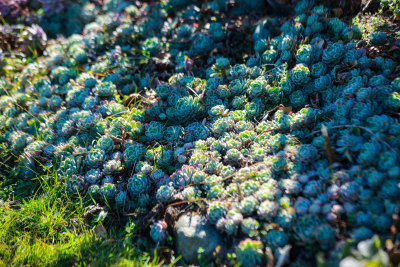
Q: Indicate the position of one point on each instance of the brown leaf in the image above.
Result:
(328, 147)
(338, 12)
(395, 258)
(287, 110)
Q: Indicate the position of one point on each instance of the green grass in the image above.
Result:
(48, 229)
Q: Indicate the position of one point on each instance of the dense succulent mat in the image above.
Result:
(284, 131)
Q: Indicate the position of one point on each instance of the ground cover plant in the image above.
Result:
(118, 117)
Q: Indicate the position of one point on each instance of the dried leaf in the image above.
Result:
(338, 12)
(328, 147)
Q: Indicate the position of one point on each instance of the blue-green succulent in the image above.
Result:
(138, 184)
(249, 252)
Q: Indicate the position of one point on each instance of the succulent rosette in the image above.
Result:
(165, 193)
(249, 252)
(300, 74)
(333, 54)
(138, 184)
(158, 231)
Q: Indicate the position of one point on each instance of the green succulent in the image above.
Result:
(304, 54)
(378, 38)
(133, 153)
(256, 88)
(95, 157)
(105, 143)
(250, 227)
(121, 198)
(158, 231)
(186, 109)
(152, 46)
(154, 131)
(255, 108)
(298, 98)
(300, 74)
(267, 209)
(248, 205)
(270, 56)
(249, 252)
(333, 54)
(165, 193)
(74, 184)
(69, 166)
(105, 89)
(216, 210)
(94, 191)
(108, 191)
(202, 44)
(93, 176)
(138, 184)
(276, 238)
(305, 228)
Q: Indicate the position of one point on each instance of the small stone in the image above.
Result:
(192, 232)
(92, 211)
(100, 231)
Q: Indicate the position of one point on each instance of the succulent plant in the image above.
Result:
(154, 130)
(105, 143)
(158, 231)
(307, 153)
(173, 133)
(186, 109)
(95, 157)
(389, 189)
(304, 229)
(138, 184)
(216, 210)
(121, 198)
(250, 226)
(165, 193)
(302, 206)
(93, 176)
(361, 234)
(74, 184)
(249, 252)
(94, 191)
(314, 24)
(108, 191)
(300, 74)
(132, 153)
(304, 54)
(190, 193)
(237, 87)
(70, 165)
(270, 56)
(378, 38)
(202, 44)
(248, 205)
(240, 136)
(151, 46)
(267, 209)
(333, 54)
(349, 191)
(325, 236)
(276, 238)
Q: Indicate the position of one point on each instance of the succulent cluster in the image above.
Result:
(12, 10)
(297, 146)
(26, 39)
(57, 17)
